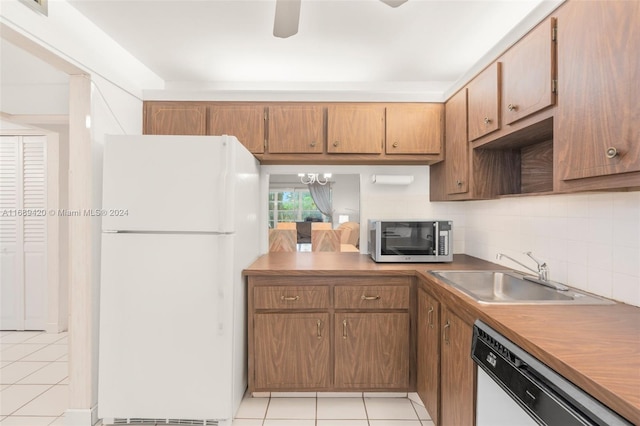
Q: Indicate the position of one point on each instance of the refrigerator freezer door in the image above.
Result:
(165, 327)
(169, 183)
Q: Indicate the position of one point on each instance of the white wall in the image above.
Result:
(344, 198)
(590, 241)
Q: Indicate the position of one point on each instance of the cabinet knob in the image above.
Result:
(612, 152)
(313, 144)
(487, 120)
(459, 182)
(512, 107)
(336, 143)
(395, 144)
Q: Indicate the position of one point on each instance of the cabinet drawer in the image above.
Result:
(372, 297)
(291, 297)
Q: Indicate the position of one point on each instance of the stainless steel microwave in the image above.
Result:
(411, 240)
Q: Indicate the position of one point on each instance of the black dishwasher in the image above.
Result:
(541, 395)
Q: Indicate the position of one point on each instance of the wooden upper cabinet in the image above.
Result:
(296, 129)
(456, 164)
(528, 73)
(597, 130)
(245, 122)
(414, 128)
(171, 118)
(355, 129)
(484, 102)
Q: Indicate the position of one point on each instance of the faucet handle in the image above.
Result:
(543, 269)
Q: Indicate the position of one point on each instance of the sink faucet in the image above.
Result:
(542, 272)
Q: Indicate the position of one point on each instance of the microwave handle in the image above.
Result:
(436, 237)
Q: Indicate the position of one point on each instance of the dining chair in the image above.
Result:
(282, 240)
(320, 225)
(286, 225)
(325, 239)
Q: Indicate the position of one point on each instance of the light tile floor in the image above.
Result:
(34, 392)
(33, 378)
(331, 409)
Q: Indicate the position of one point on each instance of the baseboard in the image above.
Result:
(413, 396)
(81, 416)
(54, 327)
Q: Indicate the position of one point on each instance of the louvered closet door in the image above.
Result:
(22, 233)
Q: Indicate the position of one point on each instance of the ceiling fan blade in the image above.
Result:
(287, 18)
(394, 3)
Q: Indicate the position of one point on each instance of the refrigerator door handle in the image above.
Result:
(226, 276)
(224, 211)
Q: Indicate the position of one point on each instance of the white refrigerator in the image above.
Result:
(180, 224)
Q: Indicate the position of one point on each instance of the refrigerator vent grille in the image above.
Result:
(164, 422)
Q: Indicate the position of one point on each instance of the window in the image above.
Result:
(292, 205)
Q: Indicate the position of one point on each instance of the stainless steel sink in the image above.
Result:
(509, 287)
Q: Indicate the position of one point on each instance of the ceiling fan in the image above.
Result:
(287, 16)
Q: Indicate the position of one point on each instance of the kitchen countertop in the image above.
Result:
(607, 364)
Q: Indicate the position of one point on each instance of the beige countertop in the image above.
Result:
(597, 347)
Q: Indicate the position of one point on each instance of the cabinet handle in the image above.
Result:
(365, 297)
(512, 107)
(313, 144)
(319, 331)
(612, 152)
(344, 329)
(445, 335)
(289, 298)
(395, 144)
(336, 143)
(487, 120)
(429, 317)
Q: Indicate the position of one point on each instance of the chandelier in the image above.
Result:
(309, 178)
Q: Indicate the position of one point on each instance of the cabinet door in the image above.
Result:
(296, 129)
(372, 350)
(414, 129)
(484, 102)
(597, 129)
(428, 362)
(355, 129)
(458, 372)
(291, 350)
(179, 118)
(527, 73)
(457, 148)
(245, 122)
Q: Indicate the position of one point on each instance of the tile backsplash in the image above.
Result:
(590, 241)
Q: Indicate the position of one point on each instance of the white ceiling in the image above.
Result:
(421, 48)
(222, 44)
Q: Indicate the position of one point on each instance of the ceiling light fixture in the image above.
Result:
(309, 178)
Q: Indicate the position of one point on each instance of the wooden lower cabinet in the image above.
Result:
(332, 334)
(457, 372)
(428, 357)
(292, 350)
(372, 350)
(446, 377)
